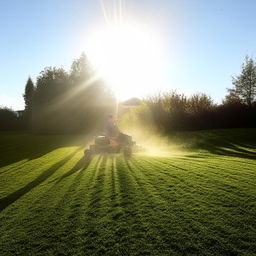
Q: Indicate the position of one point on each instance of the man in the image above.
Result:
(112, 129)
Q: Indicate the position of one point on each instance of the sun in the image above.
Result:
(129, 57)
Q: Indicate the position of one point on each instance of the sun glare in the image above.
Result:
(129, 57)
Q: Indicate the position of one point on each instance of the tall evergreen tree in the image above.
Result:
(28, 98)
(244, 84)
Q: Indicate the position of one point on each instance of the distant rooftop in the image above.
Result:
(131, 102)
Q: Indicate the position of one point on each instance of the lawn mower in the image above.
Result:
(123, 143)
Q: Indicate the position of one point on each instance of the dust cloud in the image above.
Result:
(155, 144)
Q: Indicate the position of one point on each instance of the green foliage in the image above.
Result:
(70, 102)
(244, 84)
(8, 119)
(28, 95)
(29, 100)
(201, 202)
(199, 103)
(171, 111)
(51, 83)
(79, 101)
(174, 102)
(81, 70)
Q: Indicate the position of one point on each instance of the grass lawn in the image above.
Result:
(199, 202)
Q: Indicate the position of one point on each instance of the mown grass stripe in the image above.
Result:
(196, 203)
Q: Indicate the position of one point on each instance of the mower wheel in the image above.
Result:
(93, 148)
(127, 152)
(87, 153)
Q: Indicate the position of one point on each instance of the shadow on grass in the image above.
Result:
(82, 165)
(97, 187)
(18, 146)
(15, 167)
(226, 148)
(231, 142)
(8, 200)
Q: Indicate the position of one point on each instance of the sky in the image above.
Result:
(205, 42)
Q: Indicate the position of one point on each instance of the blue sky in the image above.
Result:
(205, 41)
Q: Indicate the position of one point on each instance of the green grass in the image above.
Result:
(200, 202)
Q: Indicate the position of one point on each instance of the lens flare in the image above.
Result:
(128, 55)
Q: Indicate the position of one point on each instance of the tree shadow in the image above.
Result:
(236, 142)
(15, 147)
(15, 167)
(81, 165)
(230, 149)
(11, 198)
(195, 156)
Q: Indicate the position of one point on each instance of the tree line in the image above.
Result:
(79, 101)
(172, 111)
(65, 102)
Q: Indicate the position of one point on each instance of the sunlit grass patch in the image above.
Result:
(198, 202)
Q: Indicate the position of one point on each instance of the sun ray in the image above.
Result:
(104, 10)
(126, 54)
(73, 93)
